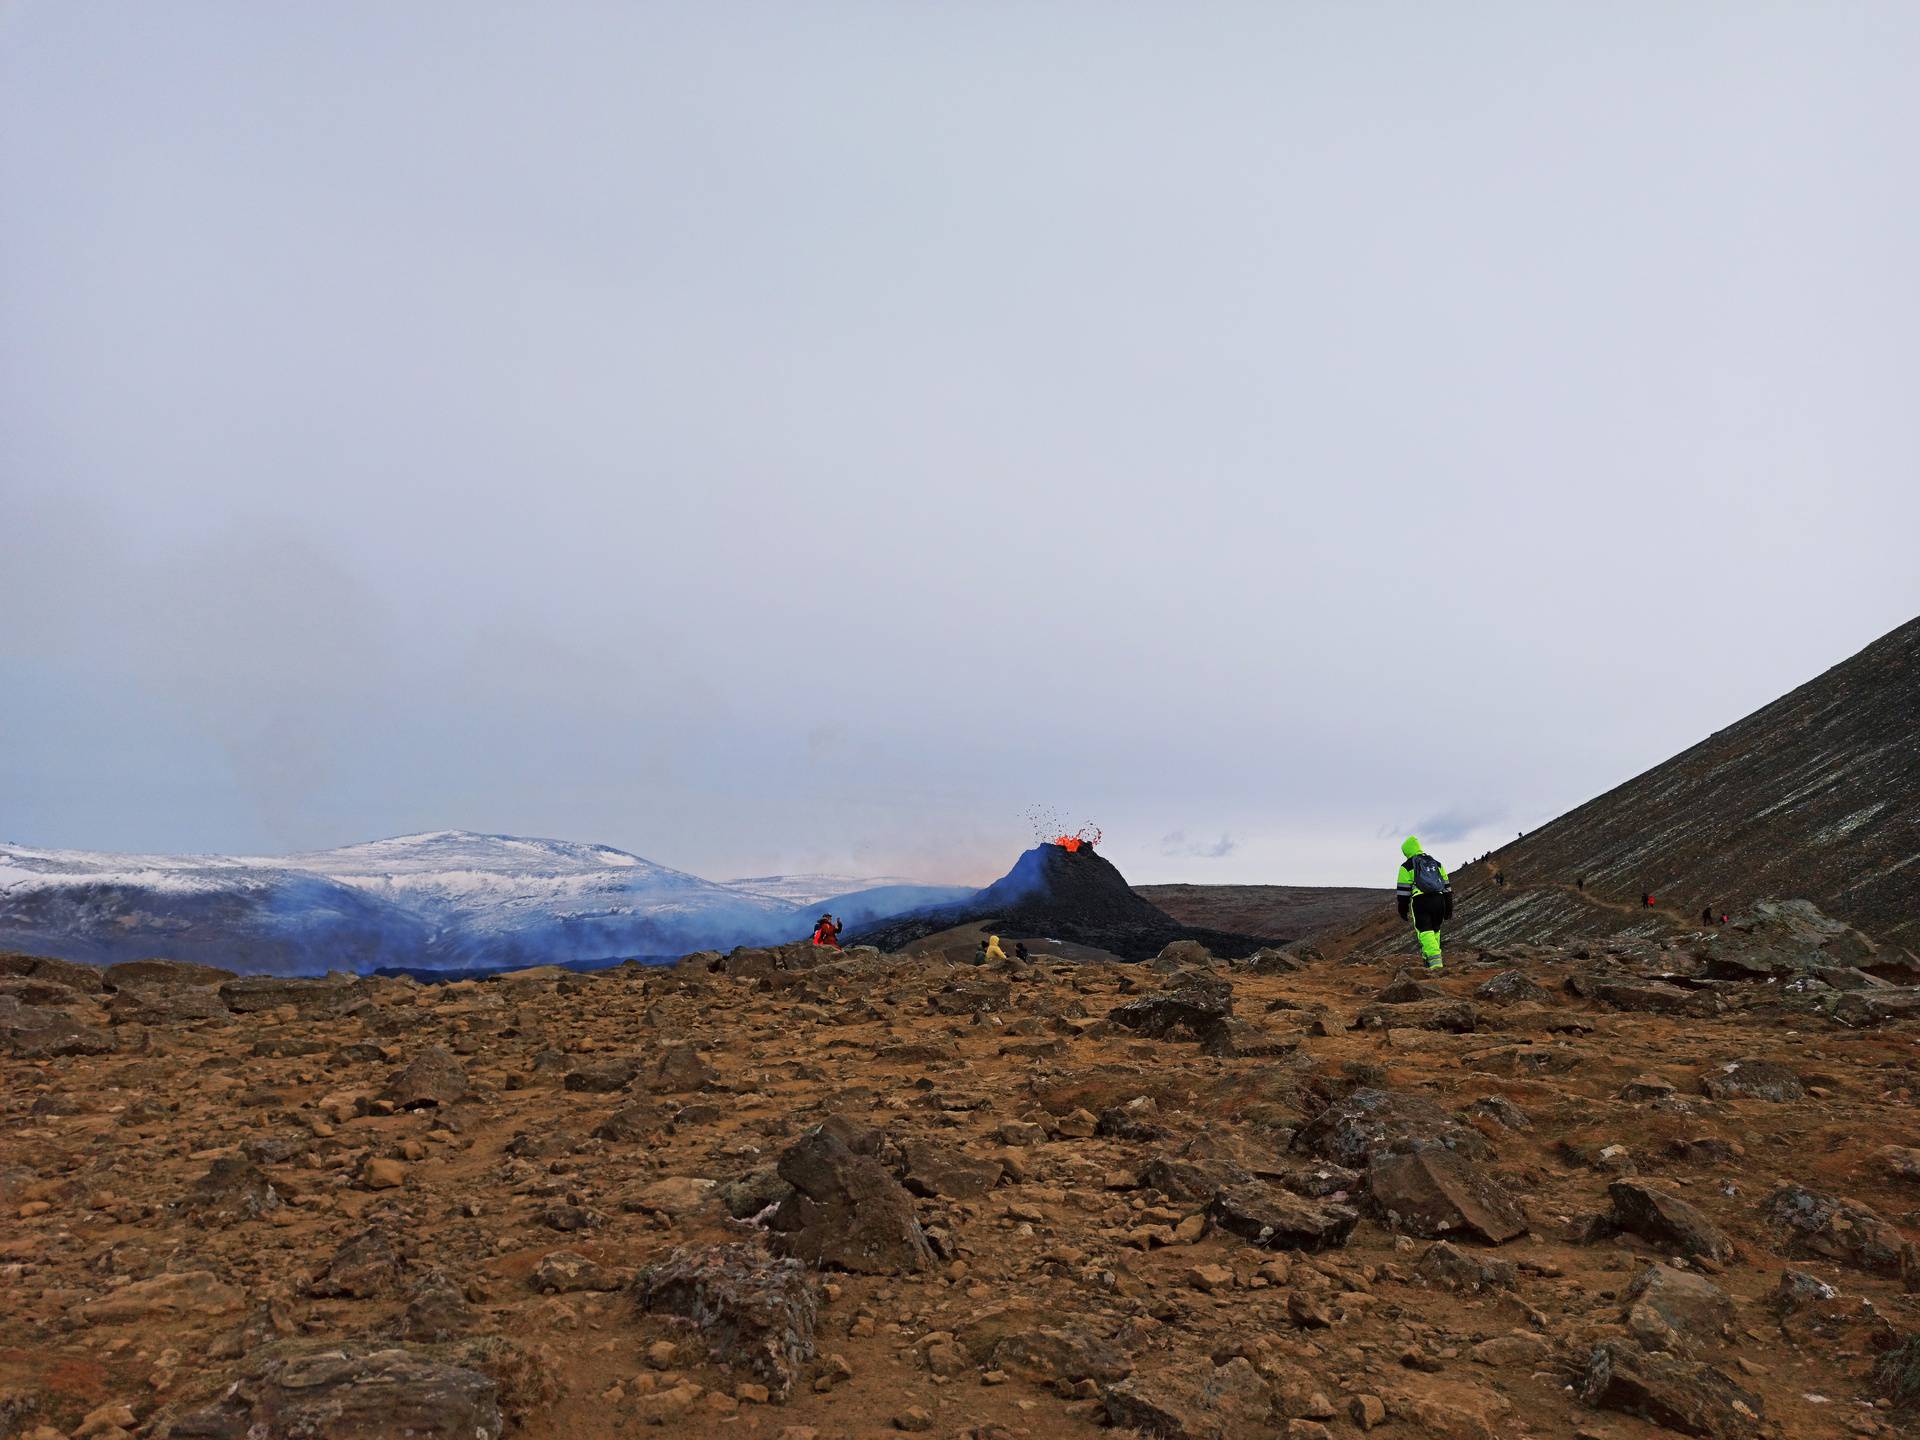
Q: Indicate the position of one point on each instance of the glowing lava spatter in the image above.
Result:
(1050, 829)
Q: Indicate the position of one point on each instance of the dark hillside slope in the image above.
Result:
(1816, 796)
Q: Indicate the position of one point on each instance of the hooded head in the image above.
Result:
(1410, 847)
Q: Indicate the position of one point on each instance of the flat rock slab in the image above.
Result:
(1277, 1219)
(354, 1393)
(1436, 1194)
(1205, 1402)
(1752, 1080)
(1667, 1221)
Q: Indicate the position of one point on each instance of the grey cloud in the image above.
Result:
(1177, 844)
(809, 454)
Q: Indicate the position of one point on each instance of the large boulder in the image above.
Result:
(322, 999)
(1667, 1221)
(1829, 1227)
(846, 1211)
(83, 978)
(1193, 1008)
(1669, 1309)
(1692, 1399)
(366, 1266)
(433, 1078)
(1370, 1121)
(40, 1032)
(1437, 1195)
(746, 1307)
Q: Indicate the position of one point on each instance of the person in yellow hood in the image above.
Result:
(994, 952)
(1425, 896)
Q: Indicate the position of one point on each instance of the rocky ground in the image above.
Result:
(1613, 1190)
(1285, 912)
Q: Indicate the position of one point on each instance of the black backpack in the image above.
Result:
(1428, 877)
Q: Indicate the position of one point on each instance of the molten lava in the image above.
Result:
(1089, 836)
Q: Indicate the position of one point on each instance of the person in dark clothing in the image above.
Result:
(1500, 879)
(1581, 884)
(1706, 916)
(1019, 949)
(1646, 898)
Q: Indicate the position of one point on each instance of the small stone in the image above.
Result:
(913, 1418)
(382, 1174)
(1209, 1278)
(1367, 1411)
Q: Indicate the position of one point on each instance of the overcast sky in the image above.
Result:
(775, 437)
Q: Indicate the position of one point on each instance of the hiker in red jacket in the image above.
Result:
(827, 932)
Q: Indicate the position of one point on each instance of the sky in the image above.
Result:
(788, 438)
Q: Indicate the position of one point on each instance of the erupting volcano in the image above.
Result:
(1064, 889)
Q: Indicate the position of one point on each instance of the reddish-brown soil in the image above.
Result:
(100, 1154)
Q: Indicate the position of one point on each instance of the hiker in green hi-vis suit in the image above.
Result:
(1425, 896)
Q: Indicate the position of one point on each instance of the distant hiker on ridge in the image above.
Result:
(827, 932)
(1706, 916)
(1424, 896)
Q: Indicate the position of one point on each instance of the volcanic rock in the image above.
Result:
(846, 1212)
(1203, 1402)
(35, 1032)
(324, 999)
(1451, 1268)
(1371, 1121)
(1653, 996)
(1269, 1216)
(1511, 987)
(1456, 1016)
(1753, 1080)
(432, 1078)
(82, 978)
(567, 1272)
(364, 1267)
(747, 1308)
(1692, 1399)
(353, 1393)
(1435, 1194)
(1667, 1221)
(437, 1311)
(165, 1004)
(1827, 1227)
(602, 1076)
(1671, 1309)
(936, 1170)
(165, 1297)
(1190, 1009)
(232, 1189)
(166, 975)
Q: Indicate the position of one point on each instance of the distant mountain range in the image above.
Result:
(443, 900)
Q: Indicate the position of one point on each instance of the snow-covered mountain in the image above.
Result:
(811, 889)
(446, 899)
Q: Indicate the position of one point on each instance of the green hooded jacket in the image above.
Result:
(1403, 887)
